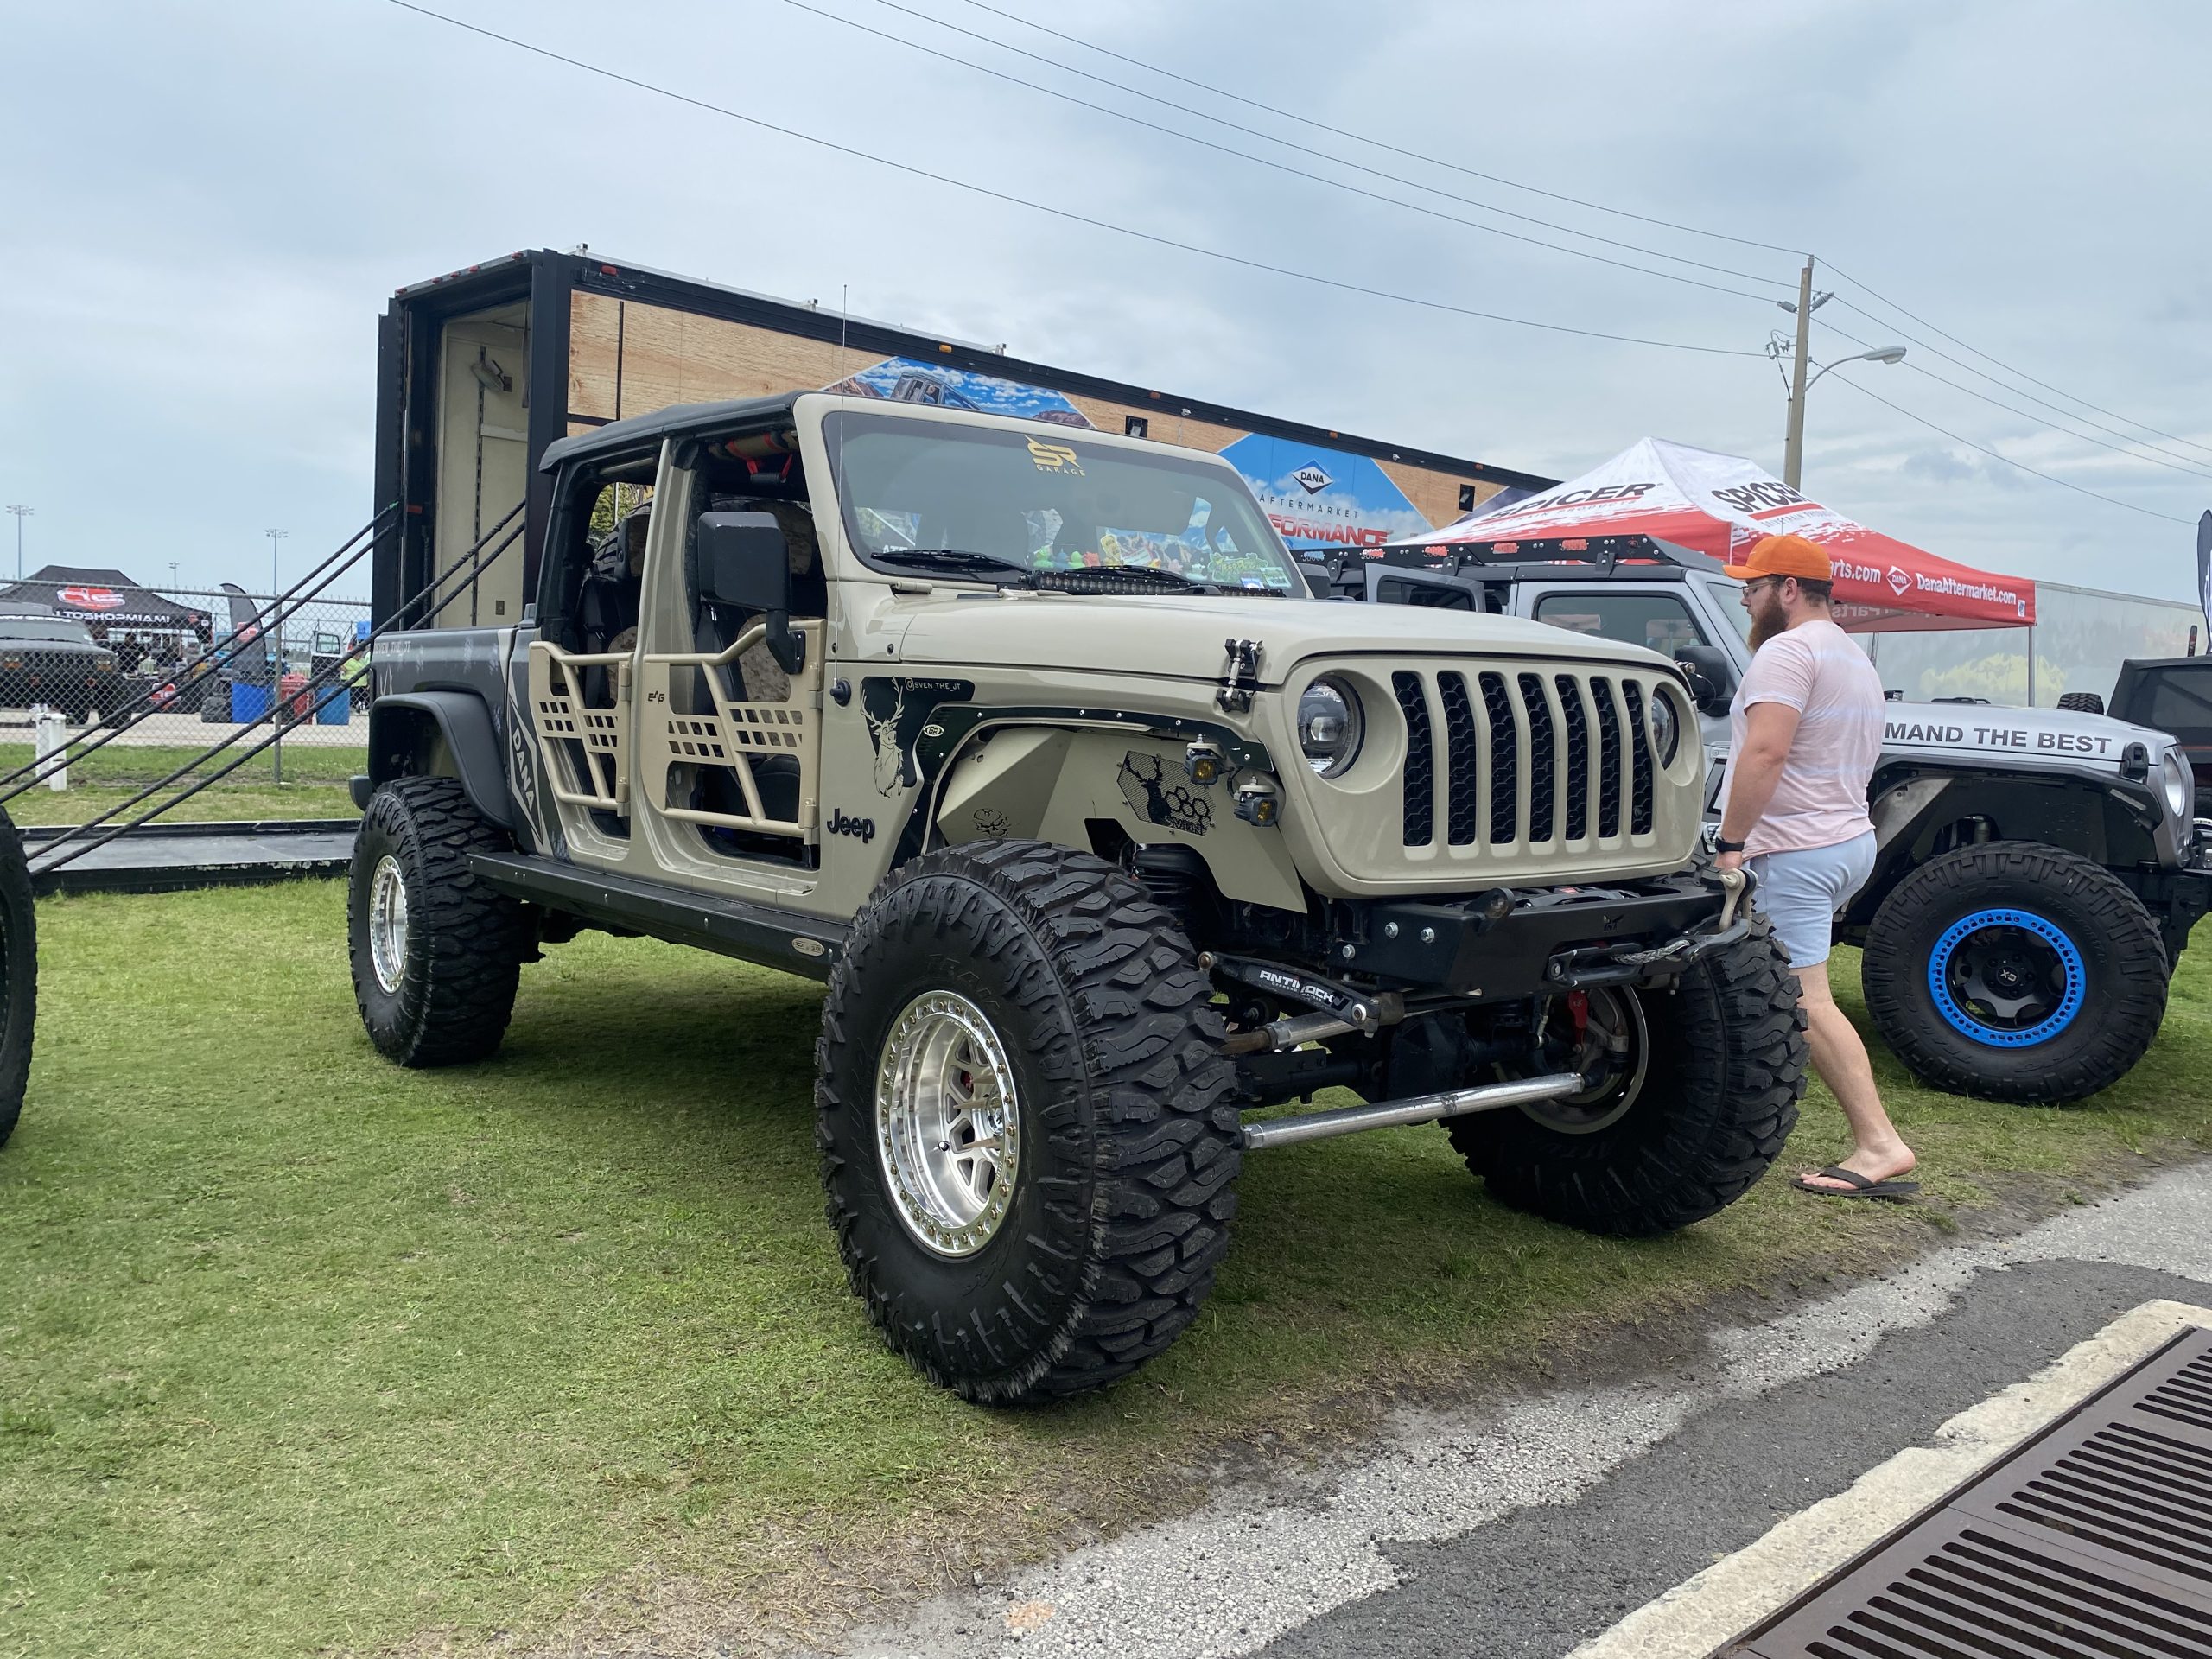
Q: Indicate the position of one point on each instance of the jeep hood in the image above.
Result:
(1183, 636)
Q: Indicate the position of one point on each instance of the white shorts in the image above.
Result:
(1801, 892)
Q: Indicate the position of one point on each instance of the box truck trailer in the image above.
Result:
(481, 369)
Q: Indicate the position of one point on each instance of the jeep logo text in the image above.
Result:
(862, 829)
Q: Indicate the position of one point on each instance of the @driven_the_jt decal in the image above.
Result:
(895, 710)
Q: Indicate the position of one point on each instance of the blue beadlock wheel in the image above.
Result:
(2015, 971)
(2007, 978)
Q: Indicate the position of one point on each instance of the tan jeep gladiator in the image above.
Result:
(1113, 847)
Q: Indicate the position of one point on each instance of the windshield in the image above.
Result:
(45, 627)
(1728, 600)
(1048, 501)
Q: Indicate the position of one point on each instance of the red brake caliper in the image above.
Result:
(1577, 1009)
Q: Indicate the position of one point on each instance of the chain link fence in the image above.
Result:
(86, 651)
(2081, 638)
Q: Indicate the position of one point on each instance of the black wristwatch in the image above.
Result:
(1721, 845)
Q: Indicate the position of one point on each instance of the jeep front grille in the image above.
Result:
(1519, 755)
(1421, 764)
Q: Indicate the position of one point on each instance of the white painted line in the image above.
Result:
(1705, 1613)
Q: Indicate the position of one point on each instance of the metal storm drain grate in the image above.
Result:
(2092, 1542)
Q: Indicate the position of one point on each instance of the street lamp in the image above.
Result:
(22, 513)
(1793, 453)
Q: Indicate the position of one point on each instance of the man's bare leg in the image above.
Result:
(1840, 1058)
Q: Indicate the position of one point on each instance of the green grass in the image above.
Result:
(314, 785)
(296, 1344)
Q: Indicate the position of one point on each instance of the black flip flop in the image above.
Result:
(1858, 1186)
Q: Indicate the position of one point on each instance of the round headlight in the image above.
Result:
(1666, 727)
(2180, 784)
(1329, 726)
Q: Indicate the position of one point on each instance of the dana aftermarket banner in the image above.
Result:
(1322, 498)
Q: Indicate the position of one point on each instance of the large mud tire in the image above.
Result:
(1129, 1142)
(18, 975)
(1727, 1068)
(1978, 919)
(458, 952)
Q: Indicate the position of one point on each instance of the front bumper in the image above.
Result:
(1510, 943)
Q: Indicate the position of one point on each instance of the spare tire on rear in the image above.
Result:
(2082, 703)
(2015, 971)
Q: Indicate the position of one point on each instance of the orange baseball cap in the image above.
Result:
(1785, 555)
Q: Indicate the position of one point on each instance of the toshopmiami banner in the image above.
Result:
(1719, 506)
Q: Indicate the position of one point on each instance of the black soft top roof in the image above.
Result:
(617, 437)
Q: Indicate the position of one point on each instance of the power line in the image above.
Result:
(2184, 466)
(1362, 138)
(1153, 68)
(1268, 138)
(2009, 369)
(2048, 478)
(1058, 213)
(2176, 459)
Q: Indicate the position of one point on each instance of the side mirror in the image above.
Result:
(743, 562)
(1712, 676)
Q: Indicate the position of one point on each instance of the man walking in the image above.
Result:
(1805, 729)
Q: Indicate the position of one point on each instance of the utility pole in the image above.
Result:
(1793, 447)
(22, 513)
(273, 636)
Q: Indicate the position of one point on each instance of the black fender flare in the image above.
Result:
(398, 723)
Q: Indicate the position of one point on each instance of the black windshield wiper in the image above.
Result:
(953, 558)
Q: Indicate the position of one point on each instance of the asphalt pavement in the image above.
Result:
(1521, 1528)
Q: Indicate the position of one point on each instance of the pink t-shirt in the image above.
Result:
(1820, 800)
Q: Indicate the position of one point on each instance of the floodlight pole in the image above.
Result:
(1793, 449)
(20, 513)
(273, 636)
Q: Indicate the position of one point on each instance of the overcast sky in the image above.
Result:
(207, 205)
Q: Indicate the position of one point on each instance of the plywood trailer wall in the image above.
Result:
(628, 358)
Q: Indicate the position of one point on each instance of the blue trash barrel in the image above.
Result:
(248, 702)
